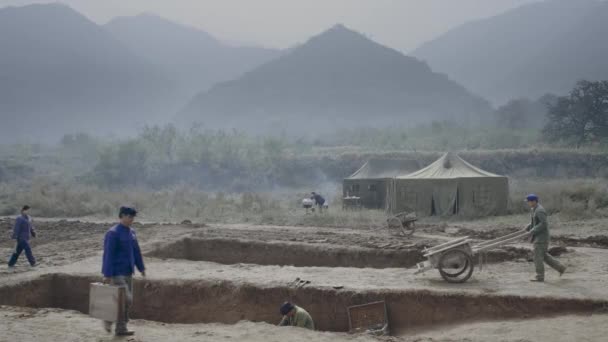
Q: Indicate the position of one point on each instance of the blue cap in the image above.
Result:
(286, 307)
(531, 197)
(127, 211)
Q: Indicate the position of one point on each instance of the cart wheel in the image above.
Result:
(397, 227)
(455, 266)
(408, 228)
(394, 225)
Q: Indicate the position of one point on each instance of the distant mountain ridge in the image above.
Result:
(535, 49)
(60, 72)
(338, 78)
(193, 58)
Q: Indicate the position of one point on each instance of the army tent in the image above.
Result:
(370, 181)
(449, 186)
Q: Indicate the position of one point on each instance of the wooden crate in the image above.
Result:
(107, 302)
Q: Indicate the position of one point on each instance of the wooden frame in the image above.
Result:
(370, 317)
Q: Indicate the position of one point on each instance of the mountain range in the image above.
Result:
(62, 73)
(193, 59)
(529, 51)
(339, 78)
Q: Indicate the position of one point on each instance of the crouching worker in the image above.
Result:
(121, 254)
(295, 316)
(319, 201)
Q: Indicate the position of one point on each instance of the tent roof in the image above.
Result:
(447, 167)
(384, 168)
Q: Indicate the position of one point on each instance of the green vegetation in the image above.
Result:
(581, 118)
(233, 161)
(570, 200)
(438, 136)
(163, 157)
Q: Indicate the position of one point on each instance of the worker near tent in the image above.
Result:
(319, 200)
(539, 228)
(121, 254)
(22, 232)
(295, 316)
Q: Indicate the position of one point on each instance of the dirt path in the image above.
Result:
(75, 247)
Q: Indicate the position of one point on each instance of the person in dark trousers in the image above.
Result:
(319, 200)
(22, 232)
(121, 254)
(539, 228)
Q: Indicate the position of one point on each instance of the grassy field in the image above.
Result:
(162, 158)
(570, 199)
(220, 176)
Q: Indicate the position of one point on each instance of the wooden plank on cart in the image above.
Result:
(106, 302)
(370, 318)
(433, 250)
(460, 244)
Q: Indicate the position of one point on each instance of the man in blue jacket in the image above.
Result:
(22, 232)
(121, 254)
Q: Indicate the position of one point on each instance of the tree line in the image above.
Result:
(577, 119)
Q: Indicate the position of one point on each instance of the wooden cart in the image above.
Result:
(403, 224)
(454, 259)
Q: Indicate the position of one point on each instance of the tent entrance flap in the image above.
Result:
(456, 202)
(445, 197)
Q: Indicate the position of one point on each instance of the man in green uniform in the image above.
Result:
(295, 316)
(539, 228)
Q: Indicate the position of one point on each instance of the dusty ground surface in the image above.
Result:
(558, 329)
(23, 324)
(74, 247)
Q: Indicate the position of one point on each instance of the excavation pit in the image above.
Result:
(235, 251)
(199, 301)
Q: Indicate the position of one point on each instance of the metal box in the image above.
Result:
(107, 302)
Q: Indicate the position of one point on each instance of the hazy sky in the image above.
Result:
(401, 24)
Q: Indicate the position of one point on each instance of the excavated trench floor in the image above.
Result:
(195, 301)
(235, 251)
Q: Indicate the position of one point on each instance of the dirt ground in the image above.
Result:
(29, 325)
(74, 248)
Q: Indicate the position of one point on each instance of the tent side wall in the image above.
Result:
(480, 196)
(483, 196)
(413, 195)
(371, 191)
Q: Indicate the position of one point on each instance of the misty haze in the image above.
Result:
(361, 170)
